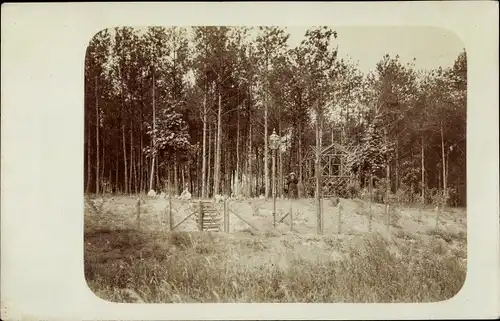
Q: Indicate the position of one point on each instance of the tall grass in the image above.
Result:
(132, 266)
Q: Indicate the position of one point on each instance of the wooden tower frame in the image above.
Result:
(335, 175)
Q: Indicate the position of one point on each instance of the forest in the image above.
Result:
(170, 108)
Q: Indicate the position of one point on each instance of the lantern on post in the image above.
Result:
(274, 145)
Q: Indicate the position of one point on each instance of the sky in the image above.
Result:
(431, 47)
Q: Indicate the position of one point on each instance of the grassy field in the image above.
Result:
(412, 261)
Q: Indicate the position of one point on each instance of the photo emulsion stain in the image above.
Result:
(275, 164)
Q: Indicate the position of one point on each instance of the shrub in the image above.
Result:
(447, 235)
(352, 190)
(364, 194)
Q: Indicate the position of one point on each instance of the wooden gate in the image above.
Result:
(208, 217)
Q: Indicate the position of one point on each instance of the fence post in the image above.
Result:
(387, 216)
(170, 217)
(387, 205)
(339, 222)
(226, 217)
(438, 210)
(200, 216)
(291, 215)
(138, 211)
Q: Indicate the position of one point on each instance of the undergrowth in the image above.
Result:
(132, 266)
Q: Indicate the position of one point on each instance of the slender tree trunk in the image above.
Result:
(237, 174)
(266, 151)
(136, 186)
(131, 159)
(423, 169)
(196, 182)
(301, 174)
(89, 168)
(447, 165)
(281, 181)
(280, 167)
(245, 176)
(117, 178)
(183, 177)
(397, 164)
(439, 178)
(204, 148)
(224, 164)
(141, 161)
(218, 147)
(318, 173)
(209, 168)
(103, 162)
(169, 179)
(412, 192)
(293, 157)
(280, 158)
(266, 133)
(387, 167)
(273, 171)
(151, 177)
(250, 171)
(445, 187)
(263, 178)
(250, 174)
(370, 213)
(158, 183)
(199, 177)
(111, 179)
(227, 171)
(176, 186)
(191, 181)
(345, 127)
(97, 138)
(257, 171)
(125, 159)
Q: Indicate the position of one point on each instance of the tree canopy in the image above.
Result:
(202, 102)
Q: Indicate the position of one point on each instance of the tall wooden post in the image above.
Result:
(138, 211)
(318, 187)
(438, 210)
(339, 222)
(274, 188)
(170, 217)
(322, 216)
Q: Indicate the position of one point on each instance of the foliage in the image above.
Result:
(409, 121)
(374, 154)
(171, 134)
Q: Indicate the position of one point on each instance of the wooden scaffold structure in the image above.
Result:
(335, 175)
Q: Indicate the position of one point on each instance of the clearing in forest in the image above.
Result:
(412, 261)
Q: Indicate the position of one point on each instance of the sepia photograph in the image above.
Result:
(275, 164)
(249, 161)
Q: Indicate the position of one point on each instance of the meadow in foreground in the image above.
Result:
(123, 264)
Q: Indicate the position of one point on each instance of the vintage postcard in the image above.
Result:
(257, 161)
